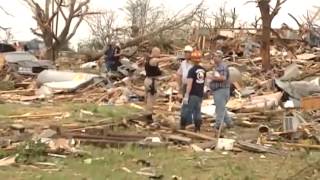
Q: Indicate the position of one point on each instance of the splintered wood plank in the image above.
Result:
(310, 103)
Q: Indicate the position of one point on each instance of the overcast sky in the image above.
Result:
(22, 21)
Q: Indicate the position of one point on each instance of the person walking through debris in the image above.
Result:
(108, 57)
(182, 74)
(112, 57)
(220, 86)
(194, 91)
(153, 73)
(116, 57)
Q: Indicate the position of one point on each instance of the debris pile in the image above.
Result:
(274, 112)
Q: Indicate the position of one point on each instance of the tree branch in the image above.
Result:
(59, 6)
(284, 44)
(74, 29)
(32, 5)
(277, 8)
(3, 28)
(172, 24)
(6, 12)
(295, 20)
(52, 17)
(82, 4)
(36, 33)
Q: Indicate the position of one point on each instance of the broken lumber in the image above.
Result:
(206, 145)
(106, 142)
(177, 138)
(264, 118)
(245, 123)
(32, 116)
(310, 103)
(115, 137)
(256, 148)
(307, 146)
(196, 135)
(18, 91)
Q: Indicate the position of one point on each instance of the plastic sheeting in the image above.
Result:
(64, 80)
(234, 74)
(297, 89)
(290, 73)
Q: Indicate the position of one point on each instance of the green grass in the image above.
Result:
(110, 111)
(99, 112)
(108, 164)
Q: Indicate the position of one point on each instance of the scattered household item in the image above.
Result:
(225, 144)
(290, 124)
(89, 65)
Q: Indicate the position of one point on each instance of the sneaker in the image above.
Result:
(196, 129)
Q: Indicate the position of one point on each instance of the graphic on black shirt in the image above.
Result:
(198, 75)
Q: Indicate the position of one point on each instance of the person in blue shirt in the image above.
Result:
(220, 86)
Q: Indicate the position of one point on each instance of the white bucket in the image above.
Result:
(225, 144)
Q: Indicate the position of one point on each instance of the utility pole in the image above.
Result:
(52, 28)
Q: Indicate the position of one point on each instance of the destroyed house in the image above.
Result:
(235, 39)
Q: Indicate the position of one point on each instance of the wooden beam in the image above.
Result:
(196, 135)
(310, 103)
(308, 146)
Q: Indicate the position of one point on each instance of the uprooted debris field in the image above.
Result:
(76, 124)
(61, 123)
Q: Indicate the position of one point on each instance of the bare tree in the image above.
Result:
(158, 32)
(255, 24)
(267, 15)
(311, 17)
(210, 22)
(225, 19)
(8, 36)
(170, 24)
(142, 16)
(102, 27)
(71, 11)
(220, 19)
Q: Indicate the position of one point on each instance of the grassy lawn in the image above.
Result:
(109, 163)
(106, 112)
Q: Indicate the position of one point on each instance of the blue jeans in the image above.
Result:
(221, 97)
(108, 65)
(191, 112)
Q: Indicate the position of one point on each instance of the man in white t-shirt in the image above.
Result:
(183, 70)
(182, 79)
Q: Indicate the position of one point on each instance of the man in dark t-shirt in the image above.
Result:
(116, 57)
(112, 57)
(108, 57)
(194, 93)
